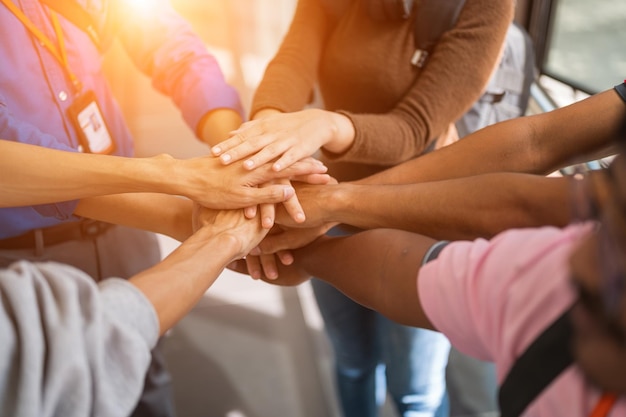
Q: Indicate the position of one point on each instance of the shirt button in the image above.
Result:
(62, 96)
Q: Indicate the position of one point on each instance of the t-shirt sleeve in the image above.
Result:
(492, 298)
(69, 345)
(448, 298)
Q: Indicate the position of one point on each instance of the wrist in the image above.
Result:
(152, 175)
(264, 113)
(343, 133)
(336, 202)
(342, 203)
(160, 174)
(206, 249)
(230, 244)
(216, 125)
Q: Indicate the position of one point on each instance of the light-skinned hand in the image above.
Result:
(246, 233)
(286, 138)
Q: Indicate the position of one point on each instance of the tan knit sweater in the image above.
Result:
(362, 66)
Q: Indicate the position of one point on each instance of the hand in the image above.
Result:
(284, 239)
(315, 201)
(286, 136)
(259, 264)
(291, 207)
(289, 276)
(267, 265)
(206, 181)
(275, 250)
(246, 233)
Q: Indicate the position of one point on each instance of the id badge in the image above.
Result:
(93, 133)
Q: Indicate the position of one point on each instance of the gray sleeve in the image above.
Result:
(70, 347)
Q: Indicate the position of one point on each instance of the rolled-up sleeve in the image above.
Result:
(165, 47)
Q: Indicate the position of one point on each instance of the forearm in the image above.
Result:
(176, 284)
(479, 153)
(216, 125)
(376, 268)
(159, 213)
(36, 175)
(464, 208)
(533, 144)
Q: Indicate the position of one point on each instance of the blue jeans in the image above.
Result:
(414, 359)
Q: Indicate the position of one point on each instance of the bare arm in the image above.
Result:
(216, 125)
(158, 213)
(177, 283)
(466, 208)
(485, 204)
(377, 268)
(534, 144)
(36, 175)
(463, 208)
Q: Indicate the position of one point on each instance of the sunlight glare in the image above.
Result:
(139, 6)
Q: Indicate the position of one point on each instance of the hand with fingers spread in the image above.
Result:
(286, 138)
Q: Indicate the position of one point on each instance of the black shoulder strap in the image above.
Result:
(433, 18)
(548, 356)
(72, 11)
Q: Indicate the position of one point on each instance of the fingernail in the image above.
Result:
(225, 157)
(216, 150)
(300, 217)
(277, 167)
(256, 251)
(249, 163)
(268, 222)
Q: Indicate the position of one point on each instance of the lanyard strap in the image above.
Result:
(604, 405)
(59, 53)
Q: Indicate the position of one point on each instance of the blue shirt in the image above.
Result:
(35, 91)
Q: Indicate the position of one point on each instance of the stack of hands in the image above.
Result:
(277, 148)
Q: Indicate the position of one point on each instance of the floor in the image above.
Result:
(247, 349)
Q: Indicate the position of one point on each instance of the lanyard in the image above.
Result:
(604, 405)
(59, 53)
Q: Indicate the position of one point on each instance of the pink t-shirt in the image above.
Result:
(493, 298)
